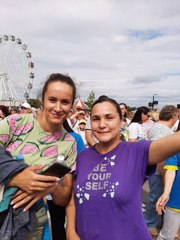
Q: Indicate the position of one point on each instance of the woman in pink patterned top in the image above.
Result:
(40, 139)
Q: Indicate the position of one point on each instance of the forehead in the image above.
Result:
(104, 108)
(59, 88)
(122, 106)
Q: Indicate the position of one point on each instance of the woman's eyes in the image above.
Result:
(64, 102)
(98, 119)
(110, 117)
(52, 100)
(94, 119)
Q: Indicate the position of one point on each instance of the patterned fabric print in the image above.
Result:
(50, 151)
(4, 138)
(99, 179)
(29, 148)
(12, 121)
(22, 134)
(51, 139)
(158, 131)
(13, 146)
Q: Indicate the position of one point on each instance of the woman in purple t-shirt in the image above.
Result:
(107, 193)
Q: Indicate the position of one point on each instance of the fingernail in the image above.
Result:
(11, 203)
(24, 210)
(58, 179)
(14, 206)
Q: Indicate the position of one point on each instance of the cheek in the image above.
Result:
(143, 118)
(93, 125)
(67, 109)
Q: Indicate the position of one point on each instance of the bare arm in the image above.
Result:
(164, 148)
(73, 117)
(63, 193)
(169, 179)
(71, 220)
(89, 137)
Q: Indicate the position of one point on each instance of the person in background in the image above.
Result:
(155, 115)
(13, 110)
(169, 201)
(81, 131)
(25, 108)
(75, 118)
(106, 203)
(167, 117)
(147, 123)
(90, 138)
(124, 111)
(124, 133)
(4, 112)
(135, 128)
(39, 140)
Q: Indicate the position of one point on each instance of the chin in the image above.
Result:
(57, 121)
(104, 140)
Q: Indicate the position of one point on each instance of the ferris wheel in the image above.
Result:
(16, 69)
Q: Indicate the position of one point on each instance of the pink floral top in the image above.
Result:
(21, 133)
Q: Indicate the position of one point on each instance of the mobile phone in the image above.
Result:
(56, 169)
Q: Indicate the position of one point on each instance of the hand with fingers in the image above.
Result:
(21, 197)
(161, 203)
(29, 180)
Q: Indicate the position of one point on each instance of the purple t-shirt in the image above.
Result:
(108, 192)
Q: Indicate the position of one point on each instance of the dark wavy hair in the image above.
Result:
(4, 110)
(137, 115)
(104, 98)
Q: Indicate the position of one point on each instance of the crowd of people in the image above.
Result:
(111, 153)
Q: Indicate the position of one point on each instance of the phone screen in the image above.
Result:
(57, 170)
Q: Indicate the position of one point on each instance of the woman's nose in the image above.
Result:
(58, 106)
(102, 123)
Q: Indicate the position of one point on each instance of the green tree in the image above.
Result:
(130, 109)
(36, 103)
(91, 99)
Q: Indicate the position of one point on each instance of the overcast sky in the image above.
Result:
(128, 50)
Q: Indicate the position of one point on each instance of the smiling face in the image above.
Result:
(57, 103)
(105, 123)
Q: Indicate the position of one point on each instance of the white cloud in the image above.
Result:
(126, 49)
